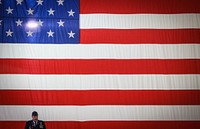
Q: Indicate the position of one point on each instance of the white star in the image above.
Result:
(0, 2)
(19, 2)
(0, 22)
(71, 13)
(50, 33)
(18, 22)
(60, 2)
(39, 2)
(30, 33)
(51, 11)
(30, 11)
(9, 10)
(9, 33)
(71, 34)
(40, 22)
(61, 23)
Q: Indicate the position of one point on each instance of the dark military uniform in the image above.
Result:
(31, 125)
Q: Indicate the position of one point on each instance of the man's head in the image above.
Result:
(34, 115)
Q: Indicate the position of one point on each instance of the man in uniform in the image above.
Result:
(35, 123)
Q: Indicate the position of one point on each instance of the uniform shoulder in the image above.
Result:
(41, 121)
(29, 121)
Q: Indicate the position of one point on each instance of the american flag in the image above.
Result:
(100, 64)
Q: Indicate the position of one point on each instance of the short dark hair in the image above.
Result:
(34, 113)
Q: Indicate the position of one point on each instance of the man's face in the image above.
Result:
(35, 118)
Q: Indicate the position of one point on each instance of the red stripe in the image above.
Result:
(99, 66)
(139, 6)
(108, 124)
(99, 97)
(140, 36)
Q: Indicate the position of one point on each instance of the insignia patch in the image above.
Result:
(41, 126)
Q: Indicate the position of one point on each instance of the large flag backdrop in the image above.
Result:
(94, 64)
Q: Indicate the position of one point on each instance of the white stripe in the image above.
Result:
(136, 51)
(85, 113)
(96, 82)
(137, 21)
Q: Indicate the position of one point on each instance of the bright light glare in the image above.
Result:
(32, 24)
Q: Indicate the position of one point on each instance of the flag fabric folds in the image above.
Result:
(93, 64)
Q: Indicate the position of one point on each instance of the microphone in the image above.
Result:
(33, 125)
